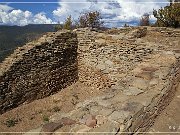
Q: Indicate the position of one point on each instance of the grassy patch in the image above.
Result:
(45, 118)
(11, 122)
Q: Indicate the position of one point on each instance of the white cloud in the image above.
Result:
(41, 18)
(113, 13)
(135, 10)
(11, 16)
(5, 8)
(67, 8)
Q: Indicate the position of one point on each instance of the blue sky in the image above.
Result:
(114, 13)
(34, 7)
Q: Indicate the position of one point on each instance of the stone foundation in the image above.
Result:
(138, 68)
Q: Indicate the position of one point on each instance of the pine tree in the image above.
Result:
(68, 23)
(58, 26)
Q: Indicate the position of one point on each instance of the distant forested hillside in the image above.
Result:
(12, 37)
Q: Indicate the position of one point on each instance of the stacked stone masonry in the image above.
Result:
(141, 76)
(38, 69)
(139, 73)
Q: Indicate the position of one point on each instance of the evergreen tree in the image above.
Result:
(68, 23)
(168, 16)
(58, 27)
(90, 19)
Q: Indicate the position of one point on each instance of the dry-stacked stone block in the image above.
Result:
(137, 71)
(143, 76)
(87, 72)
(38, 69)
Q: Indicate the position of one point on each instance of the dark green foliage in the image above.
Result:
(90, 19)
(168, 16)
(11, 122)
(45, 118)
(68, 23)
(58, 27)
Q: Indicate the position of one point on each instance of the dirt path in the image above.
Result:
(169, 120)
(29, 116)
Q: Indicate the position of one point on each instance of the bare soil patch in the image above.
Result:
(29, 116)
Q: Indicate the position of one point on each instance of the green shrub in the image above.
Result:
(90, 19)
(168, 16)
(11, 122)
(68, 23)
(45, 118)
(58, 27)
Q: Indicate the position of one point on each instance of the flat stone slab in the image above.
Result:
(133, 91)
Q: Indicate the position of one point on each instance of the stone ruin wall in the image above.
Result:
(143, 119)
(90, 57)
(87, 72)
(38, 69)
(96, 47)
(98, 50)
